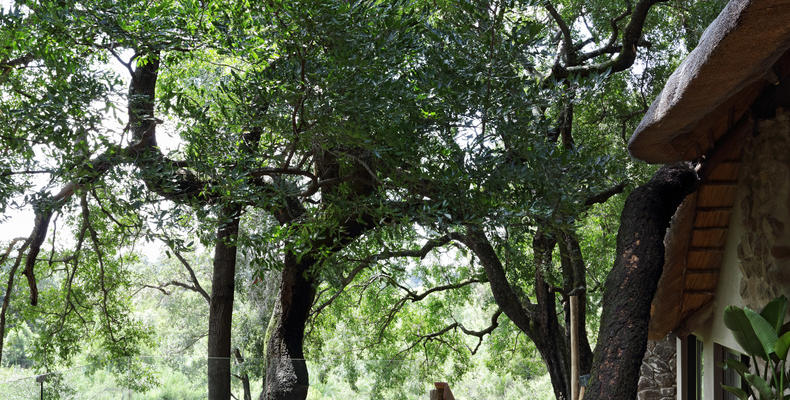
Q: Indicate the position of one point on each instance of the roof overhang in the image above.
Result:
(716, 83)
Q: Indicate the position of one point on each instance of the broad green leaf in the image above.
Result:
(735, 319)
(736, 365)
(740, 393)
(774, 312)
(782, 345)
(764, 331)
(761, 385)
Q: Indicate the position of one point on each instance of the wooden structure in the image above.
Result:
(442, 392)
(695, 246)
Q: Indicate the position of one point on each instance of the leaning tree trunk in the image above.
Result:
(286, 370)
(221, 304)
(632, 282)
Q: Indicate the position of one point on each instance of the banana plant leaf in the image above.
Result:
(736, 320)
(774, 312)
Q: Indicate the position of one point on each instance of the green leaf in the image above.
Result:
(735, 319)
(774, 312)
(740, 393)
(761, 385)
(782, 345)
(736, 365)
(765, 332)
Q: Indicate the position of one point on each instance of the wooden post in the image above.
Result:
(442, 392)
(574, 348)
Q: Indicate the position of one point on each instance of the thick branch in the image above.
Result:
(8, 65)
(603, 196)
(632, 38)
(507, 299)
(567, 48)
(611, 46)
(632, 282)
(481, 333)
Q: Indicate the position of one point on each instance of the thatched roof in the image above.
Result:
(695, 241)
(716, 83)
(704, 111)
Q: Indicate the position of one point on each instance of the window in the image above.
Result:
(691, 368)
(727, 376)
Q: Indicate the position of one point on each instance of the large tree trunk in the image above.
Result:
(221, 304)
(286, 370)
(632, 282)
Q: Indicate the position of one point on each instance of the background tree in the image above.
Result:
(286, 131)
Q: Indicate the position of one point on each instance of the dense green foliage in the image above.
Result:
(366, 137)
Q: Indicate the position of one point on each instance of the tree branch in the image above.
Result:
(10, 288)
(415, 297)
(192, 276)
(511, 304)
(457, 325)
(367, 261)
(603, 196)
(8, 65)
(611, 45)
(567, 47)
(100, 257)
(632, 38)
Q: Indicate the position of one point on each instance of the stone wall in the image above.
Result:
(659, 371)
(764, 248)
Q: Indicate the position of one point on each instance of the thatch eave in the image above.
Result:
(718, 81)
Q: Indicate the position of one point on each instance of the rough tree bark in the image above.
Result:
(220, 315)
(632, 282)
(286, 370)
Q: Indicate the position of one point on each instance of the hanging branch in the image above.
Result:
(412, 296)
(457, 325)
(10, 285)
(100, 257)
(195, 287)
(421, 253)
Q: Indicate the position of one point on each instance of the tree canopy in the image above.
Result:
(386, 165)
